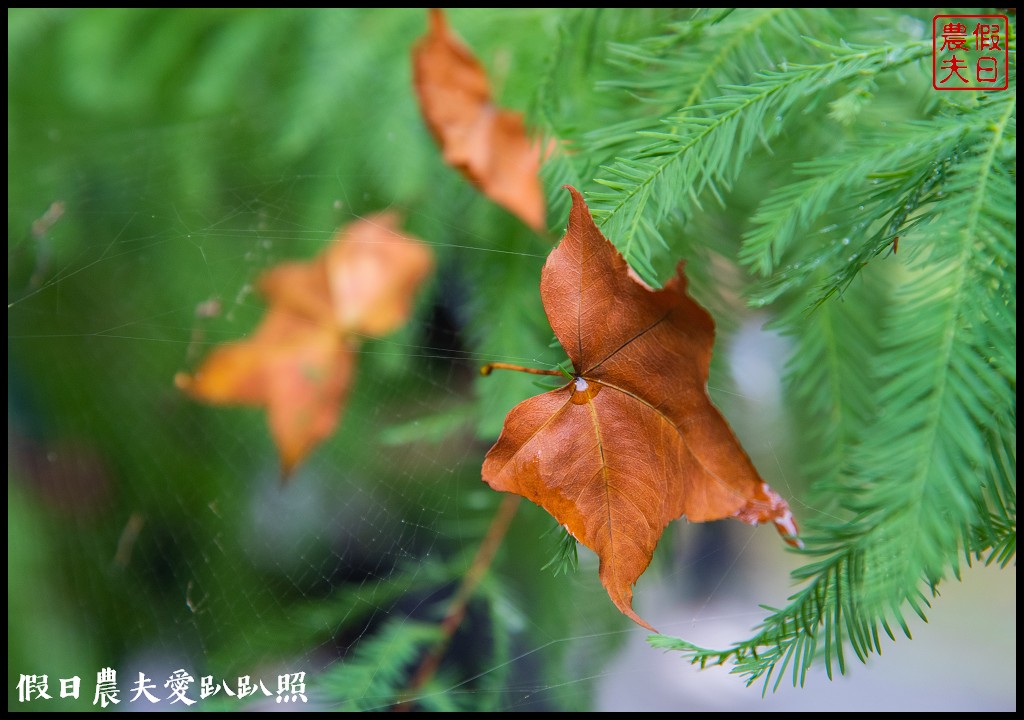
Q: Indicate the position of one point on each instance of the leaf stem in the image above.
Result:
(456, 611)
(489, 367)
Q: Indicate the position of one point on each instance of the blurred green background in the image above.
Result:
(180, 154)
(158, 162)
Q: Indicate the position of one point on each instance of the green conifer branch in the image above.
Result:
(376, 673)
(703, 148)
(932, 473)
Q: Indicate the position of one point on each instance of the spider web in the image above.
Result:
(148, 533)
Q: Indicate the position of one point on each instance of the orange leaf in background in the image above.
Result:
(373, 275)
(633, 441)
(296, 368)
(300, 361)
(488, 145)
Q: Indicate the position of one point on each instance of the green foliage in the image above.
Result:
(781, 151)
(566, 559)
(377, 673)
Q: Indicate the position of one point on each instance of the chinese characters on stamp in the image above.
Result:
(970, 52)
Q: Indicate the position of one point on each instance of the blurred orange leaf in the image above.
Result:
(632, 441)
(299, 362)
(488, 145)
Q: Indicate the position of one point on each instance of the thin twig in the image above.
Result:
(489, 367)
(456, 612)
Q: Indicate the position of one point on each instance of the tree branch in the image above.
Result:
(456, 612)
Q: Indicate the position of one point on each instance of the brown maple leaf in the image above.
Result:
(488, 145)
(300, 361)
(633, 441)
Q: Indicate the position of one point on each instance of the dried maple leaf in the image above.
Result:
(300, 361)
(488, 145)
(633, 441)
